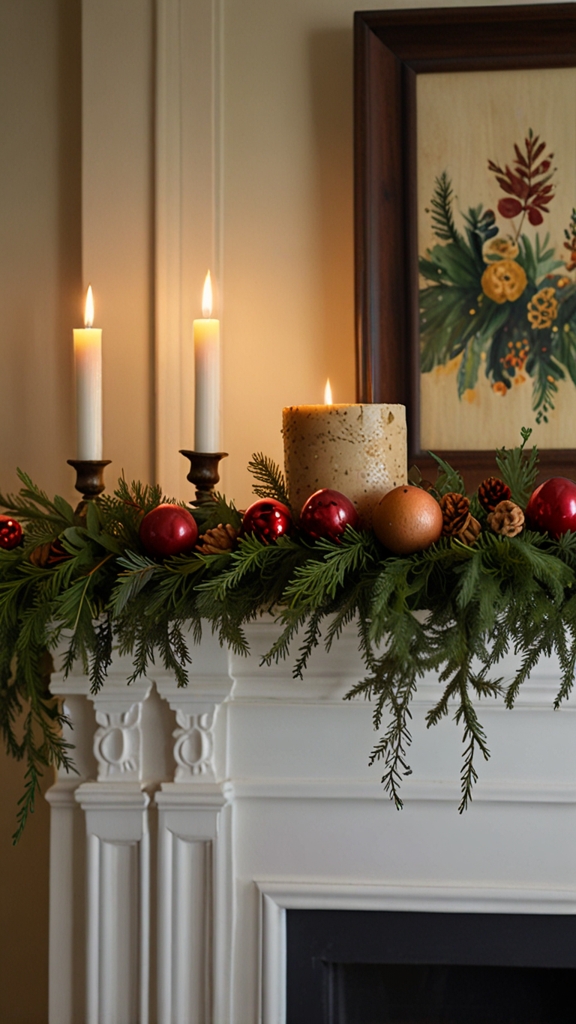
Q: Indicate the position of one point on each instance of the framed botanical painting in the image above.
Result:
(465, 192)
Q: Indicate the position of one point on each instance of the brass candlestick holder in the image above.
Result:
(89, 477)
(203, 473)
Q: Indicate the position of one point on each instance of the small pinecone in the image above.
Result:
(491, 492)
(455, 513)
(507, 519)
(49, 554)
(215, 541)
(469, 535)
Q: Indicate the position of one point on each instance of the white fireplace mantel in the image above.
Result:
(200, 815)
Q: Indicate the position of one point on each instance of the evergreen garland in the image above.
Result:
(101, 591)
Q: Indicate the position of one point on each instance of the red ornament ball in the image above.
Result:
(10, 533)
(268, 520)
(168, 530)
(407, 519)
(552, 506)
(327, 513)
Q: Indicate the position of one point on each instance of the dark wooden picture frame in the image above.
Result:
(391, 49)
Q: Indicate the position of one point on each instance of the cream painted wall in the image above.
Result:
(39, 284)
(118, 218)
(40, 223)
(287, 218)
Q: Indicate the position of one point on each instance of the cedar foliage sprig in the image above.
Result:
(519, 468)
(502, 594)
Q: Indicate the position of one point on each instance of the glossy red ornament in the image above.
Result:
(327, 513)
(552, 507)
(268, 520)
(168, 530)
(10, 533)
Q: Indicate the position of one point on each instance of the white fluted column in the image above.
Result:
(67, 964)
(118, 859)
(195, 852)
(118, 933)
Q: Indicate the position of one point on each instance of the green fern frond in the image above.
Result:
(441, 213)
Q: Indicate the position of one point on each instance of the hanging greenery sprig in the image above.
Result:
(82, 582)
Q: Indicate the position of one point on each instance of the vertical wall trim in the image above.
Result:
(188, 220)
(218, 114)
(168, 241)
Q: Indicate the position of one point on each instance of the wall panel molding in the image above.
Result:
(188, 215)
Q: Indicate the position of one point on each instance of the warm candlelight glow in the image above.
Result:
(207, 297)
(89, 308)
(328, 393)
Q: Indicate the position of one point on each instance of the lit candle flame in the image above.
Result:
(89, 308)
(328, 393)
(207, 297)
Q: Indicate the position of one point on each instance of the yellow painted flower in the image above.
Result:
(542, 309)
(502, 248)
(499, 388)
(450, 367)
(504, 281)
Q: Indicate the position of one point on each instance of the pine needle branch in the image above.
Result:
(270, 478)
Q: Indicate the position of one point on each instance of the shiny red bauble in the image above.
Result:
(10, 533)
(326, 514)
(552, 507)
(168, 530)
(268, 520)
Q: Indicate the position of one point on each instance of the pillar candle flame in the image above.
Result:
(328, 393)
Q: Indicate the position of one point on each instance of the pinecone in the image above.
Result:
(220, 538)
(469, 535)
(491, 492)
(507, 519)
(455, 513)
(49, 554)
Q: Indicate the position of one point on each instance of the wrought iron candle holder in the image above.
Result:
(89, 477)
(203, 473)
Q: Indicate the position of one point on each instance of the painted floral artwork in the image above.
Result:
(498, 297)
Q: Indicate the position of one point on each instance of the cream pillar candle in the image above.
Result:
(357, 449)
(88, 372)
(207, 376)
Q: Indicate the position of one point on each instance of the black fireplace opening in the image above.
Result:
(387, 967)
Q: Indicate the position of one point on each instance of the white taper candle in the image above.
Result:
(207, 376)
(88, 371)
